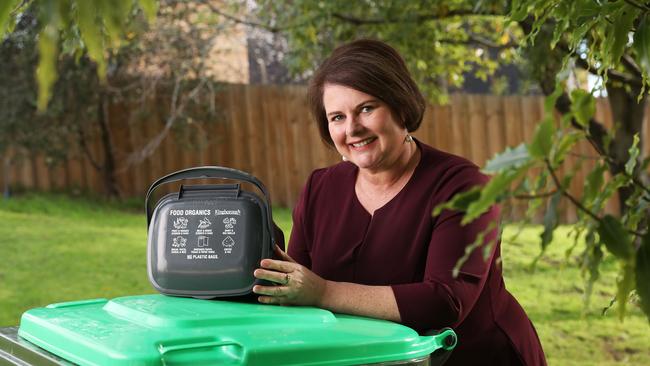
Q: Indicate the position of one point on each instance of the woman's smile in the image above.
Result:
(363, 144)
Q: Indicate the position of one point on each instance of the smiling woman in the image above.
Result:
(365, 132)
(364, 241)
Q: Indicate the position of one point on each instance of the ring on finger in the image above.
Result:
(286, 278)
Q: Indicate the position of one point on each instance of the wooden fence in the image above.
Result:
(267, 131)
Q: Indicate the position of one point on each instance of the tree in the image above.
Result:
(443, 40)
(79, 26)
(82, 30)
(22, 128)
(163, 70)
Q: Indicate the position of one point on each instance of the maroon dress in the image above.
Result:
(404, 246)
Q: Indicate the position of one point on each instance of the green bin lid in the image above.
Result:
(163, 330)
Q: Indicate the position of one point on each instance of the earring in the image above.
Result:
(408, 138)
(344, 158)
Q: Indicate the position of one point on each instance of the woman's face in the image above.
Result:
(363, 128)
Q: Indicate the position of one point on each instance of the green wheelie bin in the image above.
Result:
(165, 330)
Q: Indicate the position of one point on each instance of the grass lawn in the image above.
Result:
(54, 248)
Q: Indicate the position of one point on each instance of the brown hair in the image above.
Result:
(374, 68)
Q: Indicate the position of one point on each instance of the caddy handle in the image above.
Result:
(212, 172)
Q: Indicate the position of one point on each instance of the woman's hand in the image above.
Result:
(297, 284)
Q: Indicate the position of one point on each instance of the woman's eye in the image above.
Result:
(367, 108)
(337, 117)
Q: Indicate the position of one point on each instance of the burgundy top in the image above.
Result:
(404, 246)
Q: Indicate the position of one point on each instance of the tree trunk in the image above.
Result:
(6, 168)
(628, 115)
(111, 186)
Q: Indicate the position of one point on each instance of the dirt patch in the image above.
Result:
(613, 352)
(617, 354)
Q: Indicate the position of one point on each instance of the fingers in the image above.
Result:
(278, 265)
(273, 276)
(271, 291)
(271, 300)
(290, 277)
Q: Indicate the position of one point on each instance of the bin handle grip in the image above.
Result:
(182, 347)
(445, 337)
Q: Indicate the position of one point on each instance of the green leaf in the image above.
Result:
(608, 190)
(542, 142)
(643, 274)
(583, 106)
(478, 241)
(114, 14)
(564, 145)
(642, 43)
(616, 239)
(646, 163)
(624, 285)
(6, 7)
(150, 8)
(46, 73)
(499, 184)
(591, 262)
(585, 10)
(519, 11)
(621, 28)
(578, 34)
(638, 204)
(540, 180)
(509, 158)
(91, 34)
(550, 220)
(634, 154)
(549, 101)
(566, 119)
(593, 184)
(559, 31)
(460, 201)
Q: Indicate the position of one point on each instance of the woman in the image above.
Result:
(364, 241)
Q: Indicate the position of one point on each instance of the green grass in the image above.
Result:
(55, 248)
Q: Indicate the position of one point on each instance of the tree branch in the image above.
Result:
(583, 156)
(595, 134)
(632, 80)
(642, 7)
(611, 74)
(235, 19)
(270, 28)
(575, 201)
(85, 150)
(352, 19)
(534, 196)
(15, 10)
(178, 104)
(568, 195)
(631, 65)
(419, 18)
(475, 40)
(595, 131)
(488, 43)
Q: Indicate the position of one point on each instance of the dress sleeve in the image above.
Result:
(441, 300)
(298, 247)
